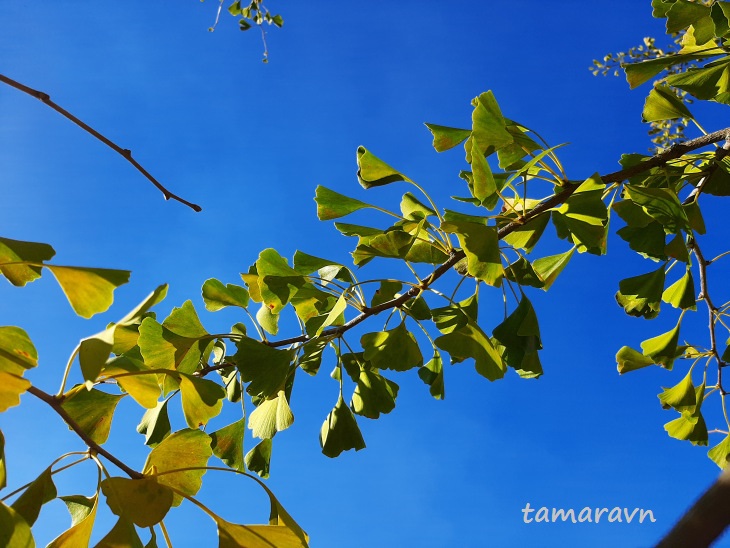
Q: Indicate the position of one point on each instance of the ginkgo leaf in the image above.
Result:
(664, 104)
(373, 395)
(481, 246)
(719, 454)
(271, 416)
(264, 367)
(372, 171)
(395, 349)
(340, 432)
(217, 296)
(89, 290)
(144, 502)
(14, 531)
(185, 450)
(258, 459)
(38, 493)
(133, 377)
(333, 205)
(92, 410)
(201, 400)
(489, 128)
(629, 359)
(681, 397)
(519, 334)
(663, 349)
(445, 138)
(17, 353)
(11, 388)
(232, 535)
(16, 251)
(641, 295)
(122, 534)
(155, 424)
(227, 444)
(471, 342)
(681, 294)
(433, 375)
(83, 514)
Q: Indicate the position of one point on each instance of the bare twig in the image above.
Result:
(127, 154)
(55, 404)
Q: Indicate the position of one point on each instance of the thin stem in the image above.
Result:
(165, 535)
(53, 472)
(68, 369)
(125, 153)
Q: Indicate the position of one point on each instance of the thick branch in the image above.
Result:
(127, 154)
(705, 521)
(55, 403)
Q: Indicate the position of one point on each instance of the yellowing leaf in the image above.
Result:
(92, 410)
(41, 491)
(122, 535)
(17, 352)
(183, 449)
(11, 387)
(258, 459)
(14, 531)
(16, 251)
(372, 171)
(83, 514)
(217, 296)
(227, 444)
(89, 290)
(232, 535)
(271, 416)
(629, 359)
(132, 375)
(144, 502)
(201, 400)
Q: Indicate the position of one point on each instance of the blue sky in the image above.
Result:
(250, 142)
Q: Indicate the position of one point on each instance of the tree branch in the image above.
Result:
(705, 521)
(127, 154)
(55, 404)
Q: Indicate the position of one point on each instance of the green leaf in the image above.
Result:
(11, 388)
(277, 281)
(271, 416)
(720, 453)
(92, 410)
(340, 432)
(373, 395)
(549, 268)
(471, 342)
(522, 272)
(17, 352)
(638, 73)
(681, 294)
(583, 217)
(227, 444)
(83, 514)
(527, 235)
(183, 449)
(395, 349)
(155, 424)
(393, 243)
(89, 290)
(455, 316)
(14, 251)
(649, 241)
(663, 104)
(218, 296)
(684, 13)
(179, 343)
(372, 171)
(691, 425)
(489, 128)
(412, 208)
(266, 368)
(481, 246)
(483, 185)
(258, 459)
(334, 315)
(681, 397)
(710, 82)
(519, 334)
(433, 375)
(268, 320)
(14, 531)
(663, 348)
(445, 138)
(144, 502)
(662, 205)
(201, 400)
(122, 534)
(38, 493)
(629, 359)
(641, 295)
(311, 357)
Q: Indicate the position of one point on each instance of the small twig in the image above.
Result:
(127, 154)
(55, 403)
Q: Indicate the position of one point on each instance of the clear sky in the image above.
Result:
(250, 142)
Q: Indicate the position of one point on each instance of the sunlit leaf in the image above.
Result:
(662, 205)
(333, 205)
(92, 410)
(41, 491)
(264, 367)
(528, 234)
(89, 290)
(227, 444)
(271, 416)
(412, 208)
(184, 449)
(519, 334)
(663, 104)
(155, 424)
(641, 295)
(17, 352)
(470, 341)
(549, 268)
(258, 459)
(681, 397)
(720, 454)
(3, 469)
(629, 359)
(372, 171)
(481, 246)
(445, 138)
(373, 395)
(663, 348)
(83, 514)
(311, 357)
(201, 400)
(232, 535)
(11, 388)
(433, 375)
(217, 296)
(14, 251)
(14, 531)
(681, 294)
(143, 387)
(144, 502)
(691, 425)
(489, 128)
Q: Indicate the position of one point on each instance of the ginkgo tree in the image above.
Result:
(517, 193)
